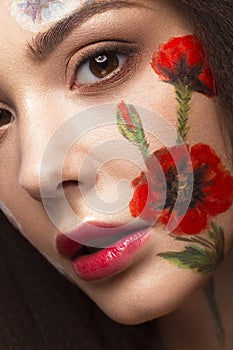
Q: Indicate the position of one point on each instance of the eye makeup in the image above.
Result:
(6, 118)
(102, 66)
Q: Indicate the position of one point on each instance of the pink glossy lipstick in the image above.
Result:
(91, 263)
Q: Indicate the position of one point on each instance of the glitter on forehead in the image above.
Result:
(32, 14)
(37, 9)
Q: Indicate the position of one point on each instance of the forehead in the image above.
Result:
(24, 20)
(14, 59)
(35, 15)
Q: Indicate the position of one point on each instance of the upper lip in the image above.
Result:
(102, 234)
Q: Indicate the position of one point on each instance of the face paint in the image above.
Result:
(195, 173)
(33, 14)
(182, 62)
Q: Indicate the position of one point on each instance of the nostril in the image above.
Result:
(68, 184)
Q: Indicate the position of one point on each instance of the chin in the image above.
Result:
(147, 289)
(132, 314)
(133, 302)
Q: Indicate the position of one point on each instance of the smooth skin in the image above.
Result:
(42, 94)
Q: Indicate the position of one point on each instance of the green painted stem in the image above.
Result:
(145, 152)
(210, 295)
(183, 96)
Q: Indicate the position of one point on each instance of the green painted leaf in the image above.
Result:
(192, 257)
(217, 235)
(203, 255)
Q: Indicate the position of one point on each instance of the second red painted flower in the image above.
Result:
(205, 188)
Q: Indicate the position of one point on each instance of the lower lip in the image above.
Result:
(111, 260)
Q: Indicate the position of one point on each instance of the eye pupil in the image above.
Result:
(5, 117)
(104, 64)
(101, 59)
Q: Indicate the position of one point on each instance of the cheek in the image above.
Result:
(147, 91)
(11, 197)
(197, 183)
(204, 125)
(159, 97)
(23, 211)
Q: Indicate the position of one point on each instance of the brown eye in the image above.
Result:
(99, 67)
(104, 64)
(5, 117)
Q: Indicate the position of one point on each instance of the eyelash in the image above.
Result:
(128, 50)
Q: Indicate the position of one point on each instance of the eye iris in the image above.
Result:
(103, 65)
(5, 117)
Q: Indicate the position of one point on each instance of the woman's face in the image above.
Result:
(48, 85)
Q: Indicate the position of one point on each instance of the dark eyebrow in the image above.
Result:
(45, 43)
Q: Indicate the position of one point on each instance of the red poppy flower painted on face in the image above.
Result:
(201, 178)
(182, 187)
(182, 60)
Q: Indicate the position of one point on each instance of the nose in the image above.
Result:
(60, 150)
(45, 138)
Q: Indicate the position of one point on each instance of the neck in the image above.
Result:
(205, 320)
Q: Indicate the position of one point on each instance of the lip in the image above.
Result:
(110, 260)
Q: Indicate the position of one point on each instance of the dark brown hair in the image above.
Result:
(39, 308)
(213, 22)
